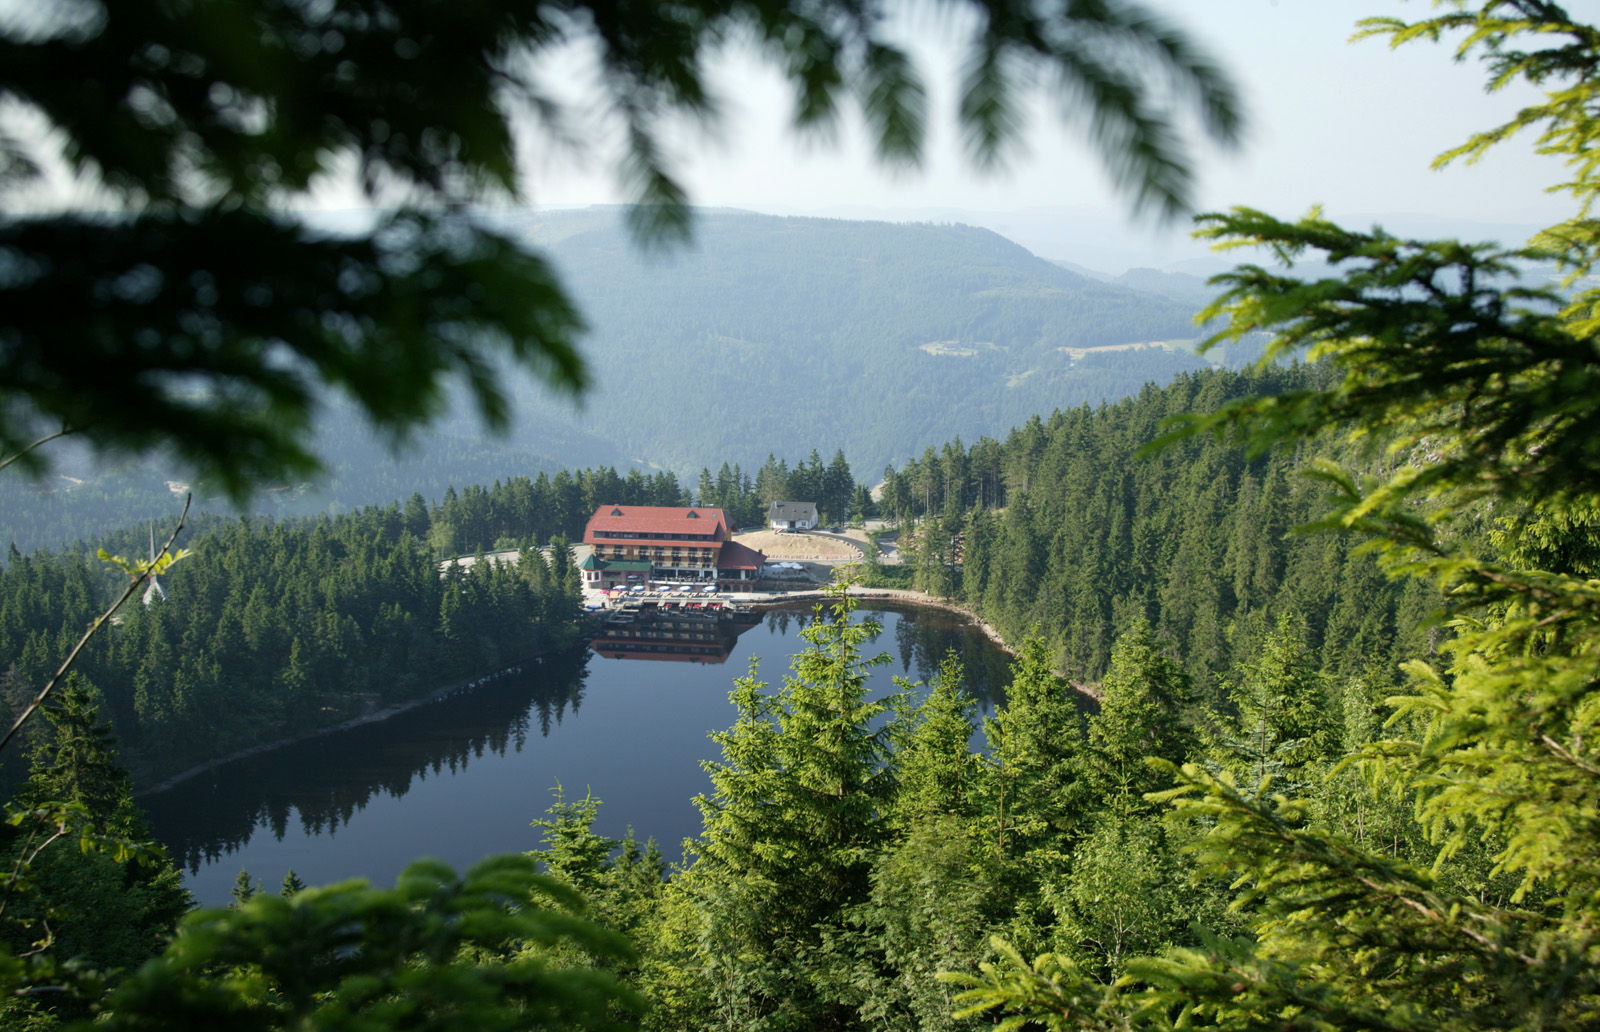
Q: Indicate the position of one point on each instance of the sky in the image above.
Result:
(1351, 126)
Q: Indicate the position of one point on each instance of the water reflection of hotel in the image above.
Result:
(682, 637)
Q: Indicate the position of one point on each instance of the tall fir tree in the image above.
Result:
(792, 825)
(1144, 700)
(1465, 392)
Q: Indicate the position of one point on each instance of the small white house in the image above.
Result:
(792, 516)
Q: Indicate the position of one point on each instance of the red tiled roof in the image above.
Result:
(655, 519)
(735, 556)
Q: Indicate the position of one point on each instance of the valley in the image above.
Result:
(635, 617)
(764, 336)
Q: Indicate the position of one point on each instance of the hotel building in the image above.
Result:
(655, 544)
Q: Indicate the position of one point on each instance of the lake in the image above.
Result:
(626, 719)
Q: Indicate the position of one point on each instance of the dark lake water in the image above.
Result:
(462, 778)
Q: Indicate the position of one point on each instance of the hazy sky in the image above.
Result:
(1353, 126)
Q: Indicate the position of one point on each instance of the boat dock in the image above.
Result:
(624, 606)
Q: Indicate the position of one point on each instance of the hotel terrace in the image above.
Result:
(654, 544)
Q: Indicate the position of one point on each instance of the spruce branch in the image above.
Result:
(139, 572)
(28, 449)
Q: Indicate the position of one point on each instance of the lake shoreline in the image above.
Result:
(373, 716)
(919, 598)
(892, 595)
(904, 596)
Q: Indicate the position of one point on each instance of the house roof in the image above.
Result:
(793, 511)
(735, 556)
(656, 519)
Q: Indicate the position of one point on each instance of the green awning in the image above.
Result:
(625, 565)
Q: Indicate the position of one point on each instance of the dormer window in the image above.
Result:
(692, 515)
(616, 512)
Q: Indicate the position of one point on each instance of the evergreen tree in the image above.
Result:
(1285, 715)
(1142, 717)
(838, 485)
(862, 507)
(1477, 394)
(933, 561)
(932, 901)
(571, 850)
(1120, 898)
(85, 885)
(929, 901)
(244, 889)
(78, 759)
(791, 826)
(1036, 788)
(937, 770)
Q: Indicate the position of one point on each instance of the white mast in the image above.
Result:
(154, 588)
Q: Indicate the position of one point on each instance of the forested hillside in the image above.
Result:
(767, 332)
(766, 336)
(272, 628)
(1065, 529)
(1299, 805)
(1072, 528)
(83, 499)
(852, 850)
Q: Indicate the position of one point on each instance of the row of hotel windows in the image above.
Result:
(618, 552)
(627, 536)
(662, 635)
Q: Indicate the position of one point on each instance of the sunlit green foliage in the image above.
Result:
(1468, 394)
(1096, 537)
(792, 826)
(1144, 706)
(194, 317)
(437, 951)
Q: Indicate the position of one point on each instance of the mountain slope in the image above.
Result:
(784, 334)
(767, 334)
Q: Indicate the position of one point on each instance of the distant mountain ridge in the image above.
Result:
(780, 334)
(767, 334)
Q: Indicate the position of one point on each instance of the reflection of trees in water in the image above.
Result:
(923, 636)
(778, 620)
(801, 614)
(327, 780)
(322, 783)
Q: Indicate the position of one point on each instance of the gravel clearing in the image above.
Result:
(815, 547)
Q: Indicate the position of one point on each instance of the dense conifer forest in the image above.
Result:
(272, 627)
(1334, 780)
(269, 628)
(955, 330)
(851, 850)
(1074, 529)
